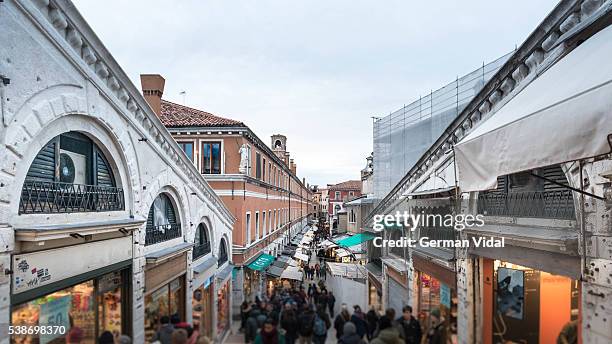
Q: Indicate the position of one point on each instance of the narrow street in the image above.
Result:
(237, 336)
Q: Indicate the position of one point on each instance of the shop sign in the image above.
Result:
(55, 313)
(445, 295)
(33, 270)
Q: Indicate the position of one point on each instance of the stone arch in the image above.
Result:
(52, 113)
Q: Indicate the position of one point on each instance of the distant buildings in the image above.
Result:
(257, 182)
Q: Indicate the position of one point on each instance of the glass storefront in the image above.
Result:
(433, 294)
(85, 310)
(168, 300)
(531, 306)
(202, 308)
(223, 309)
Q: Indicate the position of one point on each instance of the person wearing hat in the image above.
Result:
(437, 329)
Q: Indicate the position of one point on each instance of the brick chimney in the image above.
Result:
(153, 89)
(293, 167)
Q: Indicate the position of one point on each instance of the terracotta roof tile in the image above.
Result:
(347, 185)
(175, 115)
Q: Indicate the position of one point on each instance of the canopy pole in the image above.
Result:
(568, 187)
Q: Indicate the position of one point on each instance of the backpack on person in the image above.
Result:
(320, 329)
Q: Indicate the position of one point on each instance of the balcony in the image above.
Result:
(44, 197)
(161, 233)
(201, 250)
(558, 204)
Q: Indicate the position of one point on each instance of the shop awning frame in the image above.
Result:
(356, 239)
(562, 116)
(261, 262)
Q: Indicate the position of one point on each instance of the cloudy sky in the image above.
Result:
(315, 71)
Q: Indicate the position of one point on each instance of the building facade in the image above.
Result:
(106, 224)
(338, 195)
(551, 209)
(257, 183)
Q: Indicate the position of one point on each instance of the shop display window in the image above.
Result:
(84, 310)
(167, 300)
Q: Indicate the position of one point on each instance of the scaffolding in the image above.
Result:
(404, 135)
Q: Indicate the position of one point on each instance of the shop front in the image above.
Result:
(164, 290)
(224, 288)
(527, 305)
(202, 301)
(435, 292)
(85, 299)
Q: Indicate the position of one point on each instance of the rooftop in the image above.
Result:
(175, 115)
(347, 185)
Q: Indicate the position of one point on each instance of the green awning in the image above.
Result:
(355, 239)
(262, 262)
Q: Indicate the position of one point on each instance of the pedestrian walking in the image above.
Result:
(251, 327)
(342, 318)
(289, 323)
(331, 301)
(164, 334)
(350, 335)
(306, 325)
(322, 324)
(269, 334)
(358, 318)
(411, 326)
(387, 334)
(179, 336)
(437, 330)
(372, 320)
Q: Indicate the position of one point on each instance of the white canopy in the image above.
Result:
(291, 272)
(327, 244)
(300, 256)
(563, 115)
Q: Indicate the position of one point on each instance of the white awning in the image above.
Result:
(563, 115)
(293, 273)
(348, 270)
(300, 256)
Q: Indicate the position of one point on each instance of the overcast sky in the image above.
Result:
(315, 71)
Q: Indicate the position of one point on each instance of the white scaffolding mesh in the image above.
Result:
(402, 137)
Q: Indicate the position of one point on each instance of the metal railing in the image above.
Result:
(201, 250)
(161, 233)
(56, 197)
(557, 204)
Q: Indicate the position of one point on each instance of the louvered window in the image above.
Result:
(70, 174)
(162, 224)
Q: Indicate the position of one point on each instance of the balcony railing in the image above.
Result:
(201, 250)
(161, 233)
(557, 204)
(55, 197)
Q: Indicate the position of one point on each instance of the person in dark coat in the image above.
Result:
(350, 335)
(340, 320)
(437, 331)
(411, 326)
(358, 318)
(322, 314)
(372, 320)
(331, 301)
(306, 324)
(289, 323)
(251, 326)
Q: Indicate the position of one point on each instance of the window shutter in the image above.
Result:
(43, 166)
(170, 213)
(150, 223)
(104, 174)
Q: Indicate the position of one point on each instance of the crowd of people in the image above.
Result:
(304, 314)
(174, 331)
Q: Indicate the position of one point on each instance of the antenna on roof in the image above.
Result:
(183, 93)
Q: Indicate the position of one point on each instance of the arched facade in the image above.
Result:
(65, 86)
